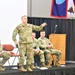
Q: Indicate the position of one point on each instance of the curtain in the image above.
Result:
(64, 26)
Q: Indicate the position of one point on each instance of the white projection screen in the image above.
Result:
(10, 16)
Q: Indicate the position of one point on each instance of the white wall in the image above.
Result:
(39, 8)
(10, 16)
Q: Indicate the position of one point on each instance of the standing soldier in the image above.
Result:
(37, 51)
(47, 47)
(25, 41)
(5, 55)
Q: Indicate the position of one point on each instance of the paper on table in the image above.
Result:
(42, 68)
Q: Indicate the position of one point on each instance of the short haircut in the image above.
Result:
(34, 32)
(42, 31)
(23, 16)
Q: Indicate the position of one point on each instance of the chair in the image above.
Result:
(10, 48)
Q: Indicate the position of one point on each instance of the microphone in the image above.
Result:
(55, 29)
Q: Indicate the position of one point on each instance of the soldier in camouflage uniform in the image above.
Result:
(47, 47)
(5, 55)
(37, 51)
(25, 41)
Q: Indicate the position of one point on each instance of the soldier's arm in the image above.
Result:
(15, 32)
(37, 46)
(41, 46)
(50, 43)
(38, 28)
(1, 47)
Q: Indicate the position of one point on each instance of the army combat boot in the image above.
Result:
(21, 68)
(48, 66)
(32, 66)
(28, 68)
(2, 69)
(43, 64)
(57, 64)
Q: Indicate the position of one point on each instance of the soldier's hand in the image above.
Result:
(16, 42)
(49, 46)
(36, 51)
(44, 24)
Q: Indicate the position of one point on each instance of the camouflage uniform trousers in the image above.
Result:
(28, 50)
(57, 53)
(41, 55)
(47, 55)
(5, 55)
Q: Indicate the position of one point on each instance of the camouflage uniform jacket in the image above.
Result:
(43, 42)
(1, 48)
(25, 32)
(35, 44)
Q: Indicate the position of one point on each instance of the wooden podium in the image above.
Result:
(59, 43)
